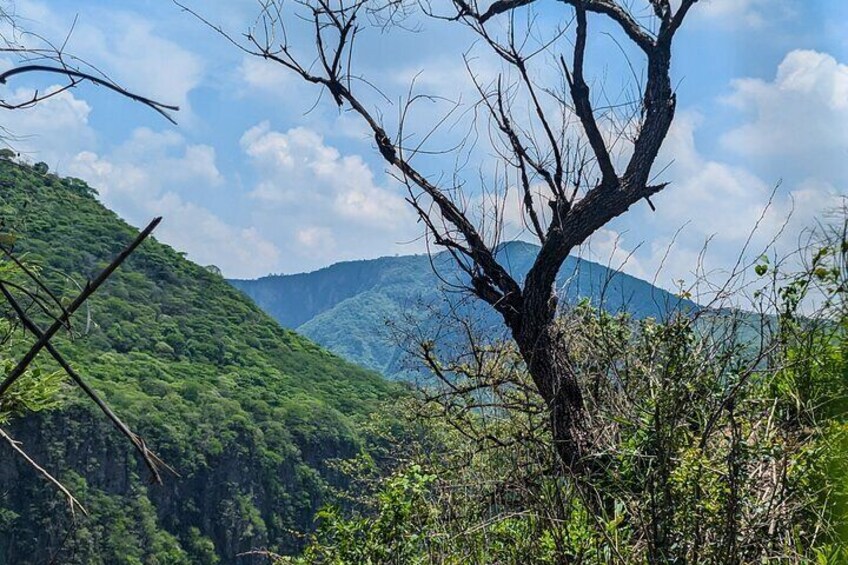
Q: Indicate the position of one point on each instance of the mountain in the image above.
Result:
(248, 413)
(353, 308)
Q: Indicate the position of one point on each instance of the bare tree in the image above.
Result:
(583, 174)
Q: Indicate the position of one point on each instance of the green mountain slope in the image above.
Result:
(346, 307)
(248, 413)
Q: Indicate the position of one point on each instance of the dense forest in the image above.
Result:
(250, 415)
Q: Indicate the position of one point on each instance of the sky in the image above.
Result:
(261, 175)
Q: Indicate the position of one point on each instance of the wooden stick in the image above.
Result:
(83, 296)
(71, 499)
(152, 461)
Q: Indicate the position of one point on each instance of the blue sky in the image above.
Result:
(251, 182)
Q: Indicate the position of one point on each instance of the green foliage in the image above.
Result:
(34, 391)
(704, 447)
(37, 389)
(397, 533)
(249, 414)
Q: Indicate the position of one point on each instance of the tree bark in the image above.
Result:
(547, 363)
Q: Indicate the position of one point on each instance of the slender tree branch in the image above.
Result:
(581, 97)
(15, 445)
(75, 75)
(152, 461)
(89, 289)
(606, 7)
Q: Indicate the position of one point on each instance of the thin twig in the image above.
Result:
(72, 501)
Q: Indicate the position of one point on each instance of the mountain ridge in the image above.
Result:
(345, 306)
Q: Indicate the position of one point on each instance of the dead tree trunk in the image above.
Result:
(548, 366)
(539, 154)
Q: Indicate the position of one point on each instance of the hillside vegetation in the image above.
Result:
(248, 413)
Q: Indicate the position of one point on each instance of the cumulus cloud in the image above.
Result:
(142, 178)
(50, 130)
(263, 81)
(332, 205)
(174, 160)
(300, 167)
(733, 195)
(796, 120)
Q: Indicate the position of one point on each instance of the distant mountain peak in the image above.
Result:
(345, 306)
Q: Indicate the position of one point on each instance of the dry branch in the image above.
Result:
(152, 461)
(89, 289)
(15, 445)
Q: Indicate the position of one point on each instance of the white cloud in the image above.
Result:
(725, 204)
(316, 239)
(609, 247)
(155, 151)
(141, 179)
(300, 167)
(50, 130)
(238, 252)
(744, 13)
(332, 205)
(798, 119)
(141, 60)
(265, 75)
(733, 195)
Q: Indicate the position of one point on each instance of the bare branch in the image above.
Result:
(152, 461)
(15, 445)
(606, 7)
(580, 95)
(76, 76)
(89, 289)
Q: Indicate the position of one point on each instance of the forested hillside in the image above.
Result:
(345, 307)
(248, 413)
